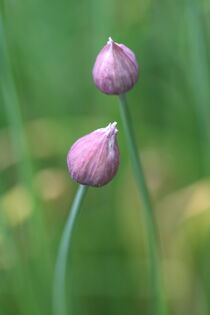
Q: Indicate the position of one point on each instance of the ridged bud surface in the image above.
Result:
(116, 69)
(94, 159)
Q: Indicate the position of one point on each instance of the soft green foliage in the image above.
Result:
(48, 100)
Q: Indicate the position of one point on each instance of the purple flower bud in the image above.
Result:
(116, 69)
(94, 159)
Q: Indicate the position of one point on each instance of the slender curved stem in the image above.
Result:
(59, 300)
(156, 285)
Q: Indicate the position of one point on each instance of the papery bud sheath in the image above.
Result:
(116, 69)
(94, 159)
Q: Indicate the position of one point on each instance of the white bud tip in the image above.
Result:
(111, 128)
(109, 40)
(114, 124)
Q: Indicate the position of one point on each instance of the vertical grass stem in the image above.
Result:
(59, 296)
(156, 285)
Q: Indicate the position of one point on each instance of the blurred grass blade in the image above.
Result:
(17, 132)
(23, 162)
(198, 76)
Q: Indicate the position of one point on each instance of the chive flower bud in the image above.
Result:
(116, 69)
(94, 159)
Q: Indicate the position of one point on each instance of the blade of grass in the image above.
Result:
(59, 293)
(24, 166)
(25, 173)
(198, 76)
(155, 274)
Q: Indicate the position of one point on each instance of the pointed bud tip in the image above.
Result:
(111, 129)
(110, 41)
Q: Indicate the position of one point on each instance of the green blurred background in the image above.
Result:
(48, 100)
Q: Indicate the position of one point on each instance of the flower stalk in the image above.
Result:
(59, 292)
(92, 160)
(156, 285)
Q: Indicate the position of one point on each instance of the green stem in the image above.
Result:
(156, 285)
(59, 297)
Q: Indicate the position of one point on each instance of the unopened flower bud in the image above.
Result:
(94, 159)
(116, 69)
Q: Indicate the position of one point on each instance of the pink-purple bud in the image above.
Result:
(116, 69)
(94, 159)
